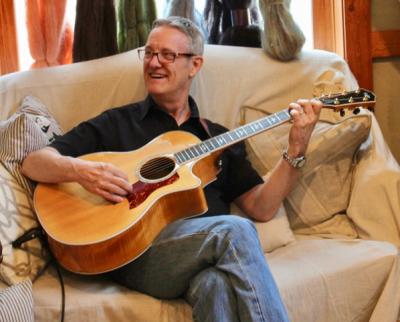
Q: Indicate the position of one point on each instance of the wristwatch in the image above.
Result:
(294, 162)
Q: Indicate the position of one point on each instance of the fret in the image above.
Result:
(248, 129)
(178, 157)
(227, 137)
(189, 150)
(187, 156)
(209, 145)
(220, 140)
(265, 123)
(203, 147)
(284, 115)
(239, 132)
(214, 146)
(230, 136)
(198, 150)
(258, 125)
(234, 135)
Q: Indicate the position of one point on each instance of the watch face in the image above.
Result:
(300, 163)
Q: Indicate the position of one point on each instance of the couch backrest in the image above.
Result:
(231, 77)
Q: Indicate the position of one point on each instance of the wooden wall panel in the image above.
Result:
(328, 25)
(8, 38)
(357, 40)
(385, 43)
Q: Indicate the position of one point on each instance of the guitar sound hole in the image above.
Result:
(157, 168)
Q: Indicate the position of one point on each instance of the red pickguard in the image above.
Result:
(141, 190)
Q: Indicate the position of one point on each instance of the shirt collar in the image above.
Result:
(149, 104)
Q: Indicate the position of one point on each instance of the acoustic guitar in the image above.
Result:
(90, 235)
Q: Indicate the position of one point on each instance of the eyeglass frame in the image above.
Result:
(157, 53)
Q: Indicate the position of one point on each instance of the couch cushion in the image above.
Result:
(29, 129)
(334, 280)
(17, 217)
(324, 186)
(16, 303)
(274, 233)
(97, 299)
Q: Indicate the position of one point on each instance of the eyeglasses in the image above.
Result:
(164, 57)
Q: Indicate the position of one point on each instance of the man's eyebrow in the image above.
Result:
(164, 49)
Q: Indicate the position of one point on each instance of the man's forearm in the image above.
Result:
(47, 165)
(263, 201)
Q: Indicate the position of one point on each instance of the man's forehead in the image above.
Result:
(167, 37)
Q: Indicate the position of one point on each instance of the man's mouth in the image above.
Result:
(157, 75)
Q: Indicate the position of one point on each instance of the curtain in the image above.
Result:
(8, 38)
(95, 34)
(135, 18)
(49, 37)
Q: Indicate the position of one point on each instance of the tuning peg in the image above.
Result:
(366, 97)
(351, 99)
(336, 101)
(342, 112)
(357, 91)
(356, 111)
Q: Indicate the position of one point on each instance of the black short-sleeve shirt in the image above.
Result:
(130, 127)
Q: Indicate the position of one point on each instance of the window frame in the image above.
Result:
(344, 27)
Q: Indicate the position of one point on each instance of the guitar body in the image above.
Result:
(90, 235)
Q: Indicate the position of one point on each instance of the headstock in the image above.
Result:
(349, 100)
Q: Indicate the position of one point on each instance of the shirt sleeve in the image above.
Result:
(88, 137)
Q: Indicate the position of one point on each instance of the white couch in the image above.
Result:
(335, 268)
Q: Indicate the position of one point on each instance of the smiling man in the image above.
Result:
(215, 260)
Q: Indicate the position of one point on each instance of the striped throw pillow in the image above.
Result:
(16, 218)
(29, 129)
(16, 303)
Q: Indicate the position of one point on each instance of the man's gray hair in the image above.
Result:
(187, 27)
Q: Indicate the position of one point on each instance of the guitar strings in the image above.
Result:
(157, 166)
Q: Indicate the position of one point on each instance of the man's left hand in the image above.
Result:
(305, 114)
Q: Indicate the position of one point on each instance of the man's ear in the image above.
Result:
(197, 63)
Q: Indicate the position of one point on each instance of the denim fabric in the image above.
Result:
(216, 264)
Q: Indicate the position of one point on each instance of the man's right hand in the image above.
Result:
(101, 178)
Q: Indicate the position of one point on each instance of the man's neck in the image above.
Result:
(178, 109)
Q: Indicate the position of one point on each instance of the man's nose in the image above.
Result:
(154, 61)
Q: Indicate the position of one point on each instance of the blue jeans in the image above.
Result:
(216, 264)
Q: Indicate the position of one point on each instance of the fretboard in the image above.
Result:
(226, 139)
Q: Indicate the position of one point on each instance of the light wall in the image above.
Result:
(386, 76)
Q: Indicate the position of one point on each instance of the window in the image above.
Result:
(301, 10)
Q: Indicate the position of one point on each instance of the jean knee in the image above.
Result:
(237, 225)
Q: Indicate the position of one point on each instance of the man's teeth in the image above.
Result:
(155, 75)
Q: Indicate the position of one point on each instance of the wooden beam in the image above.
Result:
(328, 25)
(8, 38)
(357, 46)
(385, 43)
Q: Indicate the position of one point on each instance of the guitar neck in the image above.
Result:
(337, 102)
(231, 137)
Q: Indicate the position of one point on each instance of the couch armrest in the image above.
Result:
(375, 199)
